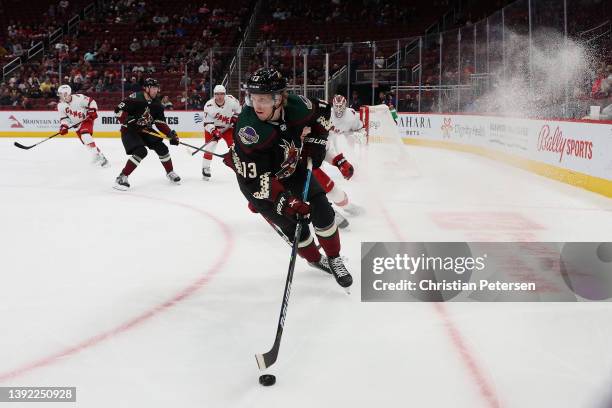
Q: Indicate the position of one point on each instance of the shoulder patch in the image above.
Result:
(306, 101)
(133, 95)
(248, 135)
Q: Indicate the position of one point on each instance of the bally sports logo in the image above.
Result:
(556, 143)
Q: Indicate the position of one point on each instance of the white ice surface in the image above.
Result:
(80, 262)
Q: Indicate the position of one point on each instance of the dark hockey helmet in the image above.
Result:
(150, 82)
(266, 81)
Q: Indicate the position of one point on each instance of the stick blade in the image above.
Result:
(266, 360)
(19, 145)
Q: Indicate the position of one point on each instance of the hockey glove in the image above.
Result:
(344, 166)
(291, 206)
(314, 147)
(228, 160)
(63, 130)
(174, 139)
(216, 134)
(92, 114)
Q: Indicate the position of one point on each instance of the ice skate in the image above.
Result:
(206, 173)
(173, 177)
(322, 265)
(101, 161)
(352, 209)
(341, 221)
(342, 275)
(121, 182)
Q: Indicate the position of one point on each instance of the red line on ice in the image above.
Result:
(138, 320)
(467, 357)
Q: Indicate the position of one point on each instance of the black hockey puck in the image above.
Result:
(267, 380)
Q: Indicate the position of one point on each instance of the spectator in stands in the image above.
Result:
(167, 103)
(137, 68)
(355, 101)
(203, 10)
(5, 97)
(183, 99)
(90, 56)
(203, 68)
(185, 80)
(116, 56)
(17, 50)
(63, 7)
(99, 86)
(46, 88)
(134, 45)
(132, 85)
(195, 101)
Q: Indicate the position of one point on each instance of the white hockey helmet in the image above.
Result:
(64, 91)
(339, 105)
(219, 89)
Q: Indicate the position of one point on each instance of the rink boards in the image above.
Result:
(45, 123)
(575, 152)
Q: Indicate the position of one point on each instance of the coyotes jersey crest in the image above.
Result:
(146, 120)
(292, 156)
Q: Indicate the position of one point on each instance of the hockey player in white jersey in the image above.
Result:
(220, 115)
(82, 110)
(345, 122)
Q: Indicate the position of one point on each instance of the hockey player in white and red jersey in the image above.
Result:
(346, 124)
(81, 110)
(220, 115)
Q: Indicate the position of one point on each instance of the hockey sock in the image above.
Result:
(131, 165)
(166, 161)
(329, 238)
(308, 250)
(88, 141)
(94, 149)
(206, 163)
(207, 156)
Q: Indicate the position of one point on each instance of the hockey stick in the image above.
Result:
(267, 359)
(201, 148)
(153, 133)
(19, 145)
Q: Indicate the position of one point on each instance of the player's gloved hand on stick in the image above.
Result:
(291, 206)
(92, 114)
(344, 166)
(216, 134)
(314, 147)
(63, 129)
(228, 161)
(174, 139)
